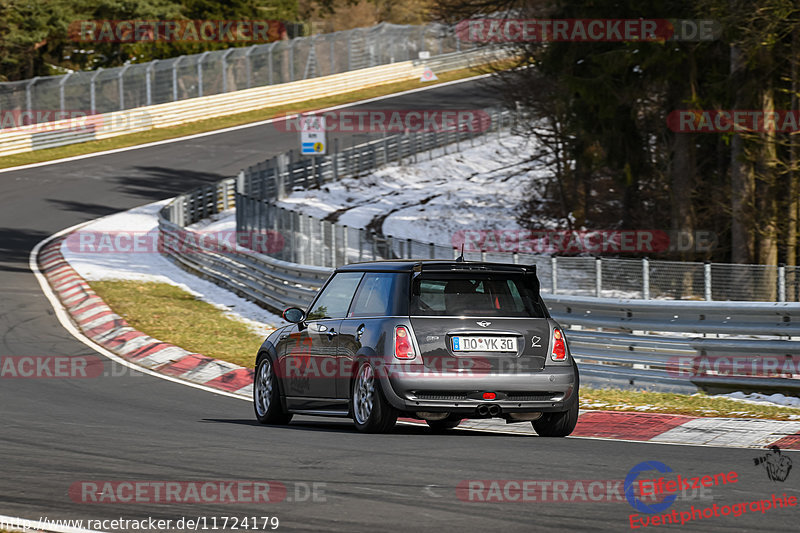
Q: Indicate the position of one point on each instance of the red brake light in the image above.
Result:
(489, 396)
(559, 352)
(402, 343)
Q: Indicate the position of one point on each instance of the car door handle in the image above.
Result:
(331, 334)
(284, 336)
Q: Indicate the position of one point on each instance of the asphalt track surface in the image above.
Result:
(126, 426)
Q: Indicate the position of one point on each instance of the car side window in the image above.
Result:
(375, 295)
(336, 297)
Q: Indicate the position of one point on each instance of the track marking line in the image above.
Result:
(66, 321)
(236, 128)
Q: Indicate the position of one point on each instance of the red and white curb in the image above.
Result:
(107, 329)
(662, 429)
(116, 338)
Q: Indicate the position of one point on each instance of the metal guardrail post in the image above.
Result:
(240, 183)
(148, 81)
(408, 249)
(350, 50)
(782, 282)
(92, 89)
(332, 40)
(249, 64)
(269, 61)
(344, 244)
(200, 73)
(225, 69)
(333, 244)
(28, 97)
(175, 78)
(432, 250)
(61, 83)
(554, 273)
(335, 160)
(598, 277)
(707, 281)
(291, 59)
(121, 86)
(645, 279)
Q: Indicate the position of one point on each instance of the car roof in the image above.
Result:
(434, 265)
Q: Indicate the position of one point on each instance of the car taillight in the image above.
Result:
(559, 352)
(402, 343)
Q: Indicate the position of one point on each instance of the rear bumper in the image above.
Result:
(550, 390)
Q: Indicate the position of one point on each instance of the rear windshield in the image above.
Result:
(512, 295)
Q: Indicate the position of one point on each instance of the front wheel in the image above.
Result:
(266, 400)
(371, 412)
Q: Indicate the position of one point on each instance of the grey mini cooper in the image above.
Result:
(439, 341)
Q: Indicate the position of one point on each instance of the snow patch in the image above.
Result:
(151, 266)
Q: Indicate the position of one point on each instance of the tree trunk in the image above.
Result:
(742, 180)
(766, 198)
(794, 183)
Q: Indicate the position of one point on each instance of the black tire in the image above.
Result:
(558, 424)
(562, 423)
(371, 412)
(266, 395)
(438, 426)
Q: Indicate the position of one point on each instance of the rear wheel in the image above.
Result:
(563, 423)
(266, 399)
(371, 412)
(558, 424)
(438, 426)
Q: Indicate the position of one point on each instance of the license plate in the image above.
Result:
(484, 344)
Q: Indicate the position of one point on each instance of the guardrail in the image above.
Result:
(220, 71)
(620, 358)
(318, 242)
(104, 126)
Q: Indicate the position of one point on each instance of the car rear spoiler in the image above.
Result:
(466, 266)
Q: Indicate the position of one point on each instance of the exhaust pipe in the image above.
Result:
(494, 410)
(483, 410)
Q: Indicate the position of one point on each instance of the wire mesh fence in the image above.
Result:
(317, 242)
(141, 84)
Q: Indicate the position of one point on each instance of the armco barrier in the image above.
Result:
(62, 133)
(617, 358)
(742, 318)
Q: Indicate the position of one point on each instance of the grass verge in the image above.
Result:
(701, 405)
(202, 126)
(172, 315)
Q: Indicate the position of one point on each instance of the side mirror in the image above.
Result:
(294, 315)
